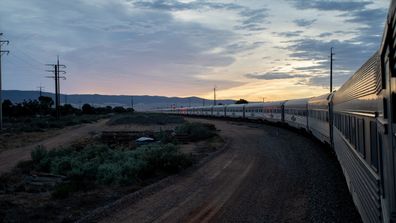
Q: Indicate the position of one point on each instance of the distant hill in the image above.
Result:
(141, 102)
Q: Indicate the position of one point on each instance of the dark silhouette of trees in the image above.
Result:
(87, 109)
(44, 107)
(241, 101)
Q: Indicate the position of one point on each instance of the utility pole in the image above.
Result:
(132, 102)
(57, 70)
(331, 69)
(214, 95)
(6, 42)
(41, 90)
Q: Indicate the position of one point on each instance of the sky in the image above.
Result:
(251, 49)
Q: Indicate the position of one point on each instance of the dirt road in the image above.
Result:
(9, 158)
(265, 174)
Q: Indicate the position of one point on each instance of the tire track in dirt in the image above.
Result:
(266, 174)
(10, 158)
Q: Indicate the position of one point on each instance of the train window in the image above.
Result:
(361, 144)
(346, 131)
(353, 133)
(373, 144)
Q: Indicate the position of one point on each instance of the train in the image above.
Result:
(358, 122)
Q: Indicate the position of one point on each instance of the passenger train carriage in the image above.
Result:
(318, 117)
(235, 111)
(219, 111)
(254, 111)
(295, 112)
(358, 121)
(273, 111)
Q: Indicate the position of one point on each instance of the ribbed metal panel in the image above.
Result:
(362, 181)
(364, 82)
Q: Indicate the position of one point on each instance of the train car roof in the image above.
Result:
(236, 105)
(274, 103)
(218, 106)
(365, 81)
(257, 104)
(297, 102)
(321, 98)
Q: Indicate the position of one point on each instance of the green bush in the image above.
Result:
(165, 137)
(196, 130)
(100, 164)
(38, 154)
(38, 124)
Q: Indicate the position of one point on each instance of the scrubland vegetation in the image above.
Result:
(99, 164)
(146, 118)
(93, 170)
(39, 115)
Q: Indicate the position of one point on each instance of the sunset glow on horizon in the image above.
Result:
(251, 49)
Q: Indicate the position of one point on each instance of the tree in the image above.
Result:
(241, 101)
(46, 102)
(68, 109)
(7, 107)
(87, 109)
(119, 109)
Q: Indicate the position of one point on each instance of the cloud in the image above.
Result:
(338, 5)
(289, 33)
(274, 76)
(325, 34)
(253, 19)
(304, 22)
(178, 47)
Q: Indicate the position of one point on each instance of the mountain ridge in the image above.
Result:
(140, 102)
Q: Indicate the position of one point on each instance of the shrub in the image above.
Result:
(109, 173)
(99, 164)
(196, 131)
(38, 154)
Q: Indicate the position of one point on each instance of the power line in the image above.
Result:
(26, 63)
(2, 52)
(57, 71)
(31, 58)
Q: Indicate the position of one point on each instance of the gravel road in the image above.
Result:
(265, 174)
(10, 158)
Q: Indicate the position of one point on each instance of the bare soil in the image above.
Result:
(11, 157)
(265, 174)
(21, 205)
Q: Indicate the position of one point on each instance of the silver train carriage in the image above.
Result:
(319, 117)
(274, 111)
(358, 121)
(355, 108)
(295, 112)
(235, 111)
(254, 111)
